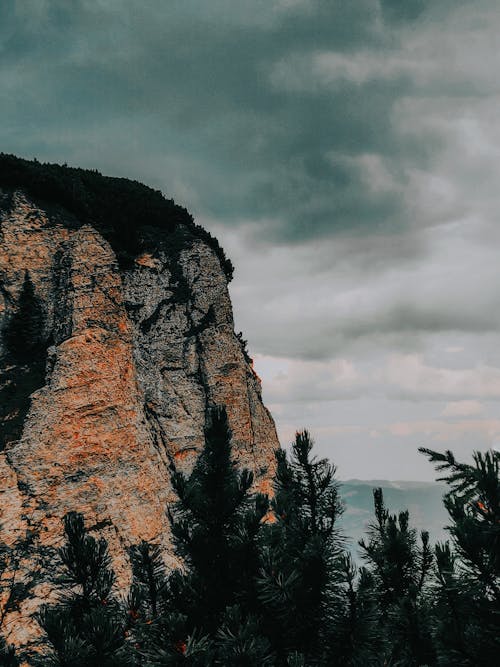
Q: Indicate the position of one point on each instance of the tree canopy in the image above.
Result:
(120, 208)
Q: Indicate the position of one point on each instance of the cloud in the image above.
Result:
(442, 431)
(347, 156)
(289, 381)
(396, 377)
(408, 376)
(361, 295)
(401, 11)
(305, 117)
(462, 409)
(197, 88)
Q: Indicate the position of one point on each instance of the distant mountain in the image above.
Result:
(422, 499)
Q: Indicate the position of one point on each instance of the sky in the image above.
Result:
(346, 153)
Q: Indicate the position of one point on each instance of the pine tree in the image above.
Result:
(354, 639)
(239, 641)
(455, 643)
(87, 627)
(147, 599)
(299, 553)
(215, 524)
(159, 636)
(24, 331)
(163, 647)
(401, 570)
(468, 572)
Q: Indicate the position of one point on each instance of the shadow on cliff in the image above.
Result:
(24, 361)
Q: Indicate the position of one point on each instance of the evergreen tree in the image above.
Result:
(87, 628)
(204, 611)
(299, 552)
(354, 639)
(401, 570)
(24, 331)
(164, 649)
(215, 526)
(146, 599)
(468, 575)
(159, 635)
(239, 641)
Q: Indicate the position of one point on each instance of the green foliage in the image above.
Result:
(400, 568)
(215, 526)
(121, 209)
(203, 614)
(299, 552)
(295, 660)
(276, 589)
(88, 627)
(159, 635)
(149, 575)
(473, 503)
(239, 641)
(354, 638)
(468, 575)
(193, 651)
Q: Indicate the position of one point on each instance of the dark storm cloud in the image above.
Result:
(194, 86)
(397, 10)
(302, 122)
(346, 153)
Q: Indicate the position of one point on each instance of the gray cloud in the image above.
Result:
(393, 10)
(193, 86)
(345, 153)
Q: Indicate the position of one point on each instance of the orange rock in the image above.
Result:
(125, 390)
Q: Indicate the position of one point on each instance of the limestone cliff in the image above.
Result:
(131, 355)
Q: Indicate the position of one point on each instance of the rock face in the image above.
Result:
(133, 358)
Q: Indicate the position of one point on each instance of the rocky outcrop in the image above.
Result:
(132, 357)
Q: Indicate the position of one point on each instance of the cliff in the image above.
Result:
(116, 335)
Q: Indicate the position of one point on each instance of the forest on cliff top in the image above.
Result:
(120, 208)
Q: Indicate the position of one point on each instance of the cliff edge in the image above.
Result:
(116, 336)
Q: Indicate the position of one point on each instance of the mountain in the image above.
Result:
(116, 336)
(423, 500)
